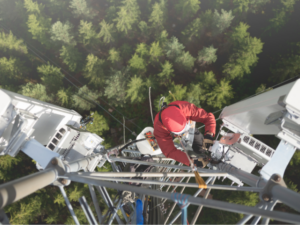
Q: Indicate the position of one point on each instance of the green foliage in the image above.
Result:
(62, 32)
(114, 55)
(87, 33)
(80, 8)
(221, 21)
(187, 8)
(144, 28)
(220, 95)
(115, 89)
(155, 52)
(126, 51)
(136, 90)
(64, 97)
(142, 50)
(193, 29)
(37, 91)
(173, 48)
(186, 61)
(245, 52)
(167, 72)
(93, 70)
(106, 31)
(281, 16)
(33, 7)
(262, 88)
(162, 38)
(179, 91)
(51, 77)
(207, 55)
(158, 15)
(128, 14)
(11, 70)
(99, 125)
(85, 99)
(195, 94)
(286, 67)
(137, 63)
(6, 164)
(10, 42)
(70, 56)
(39, 27)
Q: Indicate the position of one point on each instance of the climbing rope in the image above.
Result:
(182, 201)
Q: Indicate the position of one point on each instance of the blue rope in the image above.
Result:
(182, 201)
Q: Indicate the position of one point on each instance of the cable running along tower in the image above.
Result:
(65, 152)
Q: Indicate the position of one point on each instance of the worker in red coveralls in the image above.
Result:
(172, 121)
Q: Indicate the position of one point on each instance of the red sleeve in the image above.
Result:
(194, 113)
(166, 144)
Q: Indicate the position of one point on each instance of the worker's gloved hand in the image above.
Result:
(201, 162)
(198, 163)
(208, 141)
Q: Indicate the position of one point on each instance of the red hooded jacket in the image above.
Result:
(164, 138)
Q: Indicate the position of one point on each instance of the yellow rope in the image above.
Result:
(200, 180)
(173, 96)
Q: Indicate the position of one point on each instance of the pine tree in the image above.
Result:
(132, 8)
(207, 55)
(87, 33)
(33, 7)
(106, 31)
(99, 125)
(187, 8)
(63, 97)
(142, 50)
(158, 15)
(245, 6)
(221, 21)
(85, 99)
(193, 29)
(137, 62)
(186, 61)
(62, 32)
(207, 80)
(123, 21)
(51, 77)
(94, 70)
(167, 72)
(245, 52)
(162, 38)
(179, 92)
(127, 15)
(37, 91)
(115, 89)
(136, 90)
(173, 48)
(195, 94)
(114, 55)
(71, 57)
(11, 70)
(155, 52)
(144, 28)
(81, 8)
(39, 27)
(221, 95)
(10, 42)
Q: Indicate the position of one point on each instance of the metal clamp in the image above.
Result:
(266, 194)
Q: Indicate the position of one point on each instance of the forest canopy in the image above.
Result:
(102, 56)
